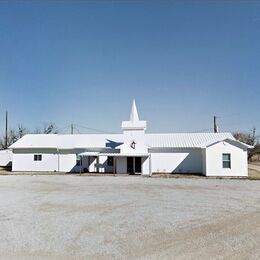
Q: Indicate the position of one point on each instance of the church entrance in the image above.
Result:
(134, 165)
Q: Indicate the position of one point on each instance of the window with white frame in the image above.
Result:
(226, 160)
(37, 157)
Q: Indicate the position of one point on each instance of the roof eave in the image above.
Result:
(231, 140)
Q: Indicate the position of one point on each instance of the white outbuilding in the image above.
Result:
(5, 158)
(133, 152)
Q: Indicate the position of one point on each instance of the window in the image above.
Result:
(37, 157)
(78, 160)
(226, 160)
(110, 161)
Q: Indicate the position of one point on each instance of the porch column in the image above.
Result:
(97, 167)
(150, 165)
(80, 164)
(88, 162)
(114, 164)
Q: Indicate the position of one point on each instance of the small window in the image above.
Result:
(226, 160)
(37, 157)
(110, 161)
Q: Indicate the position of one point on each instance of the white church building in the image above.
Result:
(132, 152)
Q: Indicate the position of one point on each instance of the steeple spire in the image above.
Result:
(134, 123)
(134, 114)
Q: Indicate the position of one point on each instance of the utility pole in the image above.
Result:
(215, 125)
(71, 129)
(253, 136)
(254, 133)
(6, 129)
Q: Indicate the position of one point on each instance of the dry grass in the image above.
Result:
(253, 174)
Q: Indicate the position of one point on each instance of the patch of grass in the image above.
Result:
(253, 174)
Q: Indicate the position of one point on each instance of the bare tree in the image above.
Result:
(250, 139)
(22, 131)
(12, 136)
(246, 138)
(48, 128)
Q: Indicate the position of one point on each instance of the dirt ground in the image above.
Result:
(254, 166)
(254, 171)
(79, 217)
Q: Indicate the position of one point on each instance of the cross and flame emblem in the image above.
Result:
(133, 145)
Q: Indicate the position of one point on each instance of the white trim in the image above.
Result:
(89, 154)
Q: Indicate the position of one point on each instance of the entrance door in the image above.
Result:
(130, 165)
(134, 165)
(138, 165)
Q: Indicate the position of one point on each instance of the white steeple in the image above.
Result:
(134, 123)
(134, 114)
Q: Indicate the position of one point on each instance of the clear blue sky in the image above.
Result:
(84, 62)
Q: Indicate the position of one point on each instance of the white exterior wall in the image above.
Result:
(145, 166)
(177, 161)
(214, 160)
(67, 162)
(138, 138)
(51, 161)
(25, 162)
(203, 152)
(5, 157)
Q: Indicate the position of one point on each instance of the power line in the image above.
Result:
(95, 129)
(65, 127)
(61, 129)
(77, 130)
(203, 130)
(239, 123)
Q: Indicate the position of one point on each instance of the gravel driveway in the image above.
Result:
(73, 217)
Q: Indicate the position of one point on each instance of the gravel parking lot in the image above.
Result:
(76, 217)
